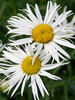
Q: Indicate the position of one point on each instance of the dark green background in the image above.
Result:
(58, 90)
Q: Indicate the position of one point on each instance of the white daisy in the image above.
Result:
(20, 69)
(48, 33)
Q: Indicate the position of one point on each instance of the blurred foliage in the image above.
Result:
(65, 89)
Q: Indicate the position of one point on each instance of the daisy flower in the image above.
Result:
(48, 33)
(20, 69)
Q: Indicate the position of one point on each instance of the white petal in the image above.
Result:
(51, 14)
(38, 14)
(19, 53)
(63, 27)
(46, 59)
(44, 73)
(31, 15)
(34, 88)
(19, 31)
(52, 51)
(28, 49)
(2, 71)
(61, 18)
(64, 43)
(39, 48)
(2, 47)
(27, 21)
(40, 87)
(63, 35)
(46, 15)
(52, 66)
(21, 41)
(42, 54)
(17, 87)
(11, 57)
(61, 50)
(23, 84)
(41, 83)
(62, 57)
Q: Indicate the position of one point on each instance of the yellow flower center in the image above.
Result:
(42, 33)
(30, 68)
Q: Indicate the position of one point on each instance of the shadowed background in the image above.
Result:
(65, 89)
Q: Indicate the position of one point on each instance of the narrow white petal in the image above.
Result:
(46, 59)
(63, 35)
(61, 18)
(16, 87)
(11, 57)
(13, 68)
(40, 87)
(52, 51)
(34, 88)
(44, 73)
(52, 13)
(63, 27)
(42, 54)
(21, 41)
(28, 21)
(19, 53)
(2, 71)
(23, 84)
(19, 31)
(12, 82)
(41, 83)
(28, 49)
(39, 48)
(38, 14)
(61, 50)
(2, 47)
(31, 15)
(64, 43)
(53, 66)
(62, 57)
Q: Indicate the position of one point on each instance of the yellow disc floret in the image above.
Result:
(42, 33)
(30, 68)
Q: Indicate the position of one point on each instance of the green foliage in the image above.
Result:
(64, 89)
